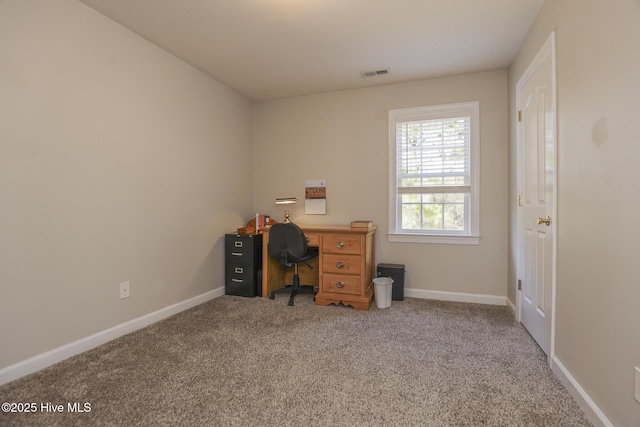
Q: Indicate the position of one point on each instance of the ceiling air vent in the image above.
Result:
(366, 74)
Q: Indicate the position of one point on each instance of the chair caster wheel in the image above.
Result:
(272, 296)
(290, 303)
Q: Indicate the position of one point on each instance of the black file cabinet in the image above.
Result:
(243, 264)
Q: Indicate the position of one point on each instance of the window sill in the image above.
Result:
(433, 239)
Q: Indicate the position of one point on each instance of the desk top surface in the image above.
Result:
(333, 228)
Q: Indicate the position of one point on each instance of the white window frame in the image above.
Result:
(471, 236)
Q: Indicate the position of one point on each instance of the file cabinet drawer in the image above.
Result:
(239, 249)
(239, 273)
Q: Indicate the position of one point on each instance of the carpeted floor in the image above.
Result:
(254, 362)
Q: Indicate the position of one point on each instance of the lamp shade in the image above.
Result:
(286, 201)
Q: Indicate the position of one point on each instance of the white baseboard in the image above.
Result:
(59, 354)
(456, 296)
(511, 307)
(591, 410)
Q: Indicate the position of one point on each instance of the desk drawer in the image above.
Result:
(341, 264)
(312, 239)
(341, 284)
(341, 244)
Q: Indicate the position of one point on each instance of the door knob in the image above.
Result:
(546, 220)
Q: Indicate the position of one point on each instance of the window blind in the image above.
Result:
(434, 156)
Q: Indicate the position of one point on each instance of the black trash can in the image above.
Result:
(396, 272)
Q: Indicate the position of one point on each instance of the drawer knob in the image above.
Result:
(340, 285)
(340, 264)
(340, 245)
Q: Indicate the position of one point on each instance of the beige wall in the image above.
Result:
(116, 161)
(598, 273)
(342, 137)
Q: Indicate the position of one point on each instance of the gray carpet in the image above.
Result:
(239, 361)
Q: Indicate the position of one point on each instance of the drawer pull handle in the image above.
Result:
(340, 264)
(236, 253)
(239, 270)
(340, 285)
(340, 245)
(237, 244)
(237, 280)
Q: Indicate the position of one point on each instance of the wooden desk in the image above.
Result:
(343, 272)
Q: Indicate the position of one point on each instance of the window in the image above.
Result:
(434, 155)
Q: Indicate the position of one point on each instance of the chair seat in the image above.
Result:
(311, 254)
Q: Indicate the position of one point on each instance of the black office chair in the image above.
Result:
(288, 244)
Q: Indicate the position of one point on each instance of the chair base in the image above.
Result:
(289, 288)
(295, 289)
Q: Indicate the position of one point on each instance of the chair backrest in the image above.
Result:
(287, 242)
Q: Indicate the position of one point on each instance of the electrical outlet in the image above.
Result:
(637, 384)
(124, 290)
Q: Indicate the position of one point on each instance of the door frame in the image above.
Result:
(548, 48)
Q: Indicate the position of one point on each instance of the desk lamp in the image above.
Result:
(286, 201)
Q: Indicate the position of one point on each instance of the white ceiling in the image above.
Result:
(269, 49)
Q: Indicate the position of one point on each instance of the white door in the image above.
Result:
(536, 201)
